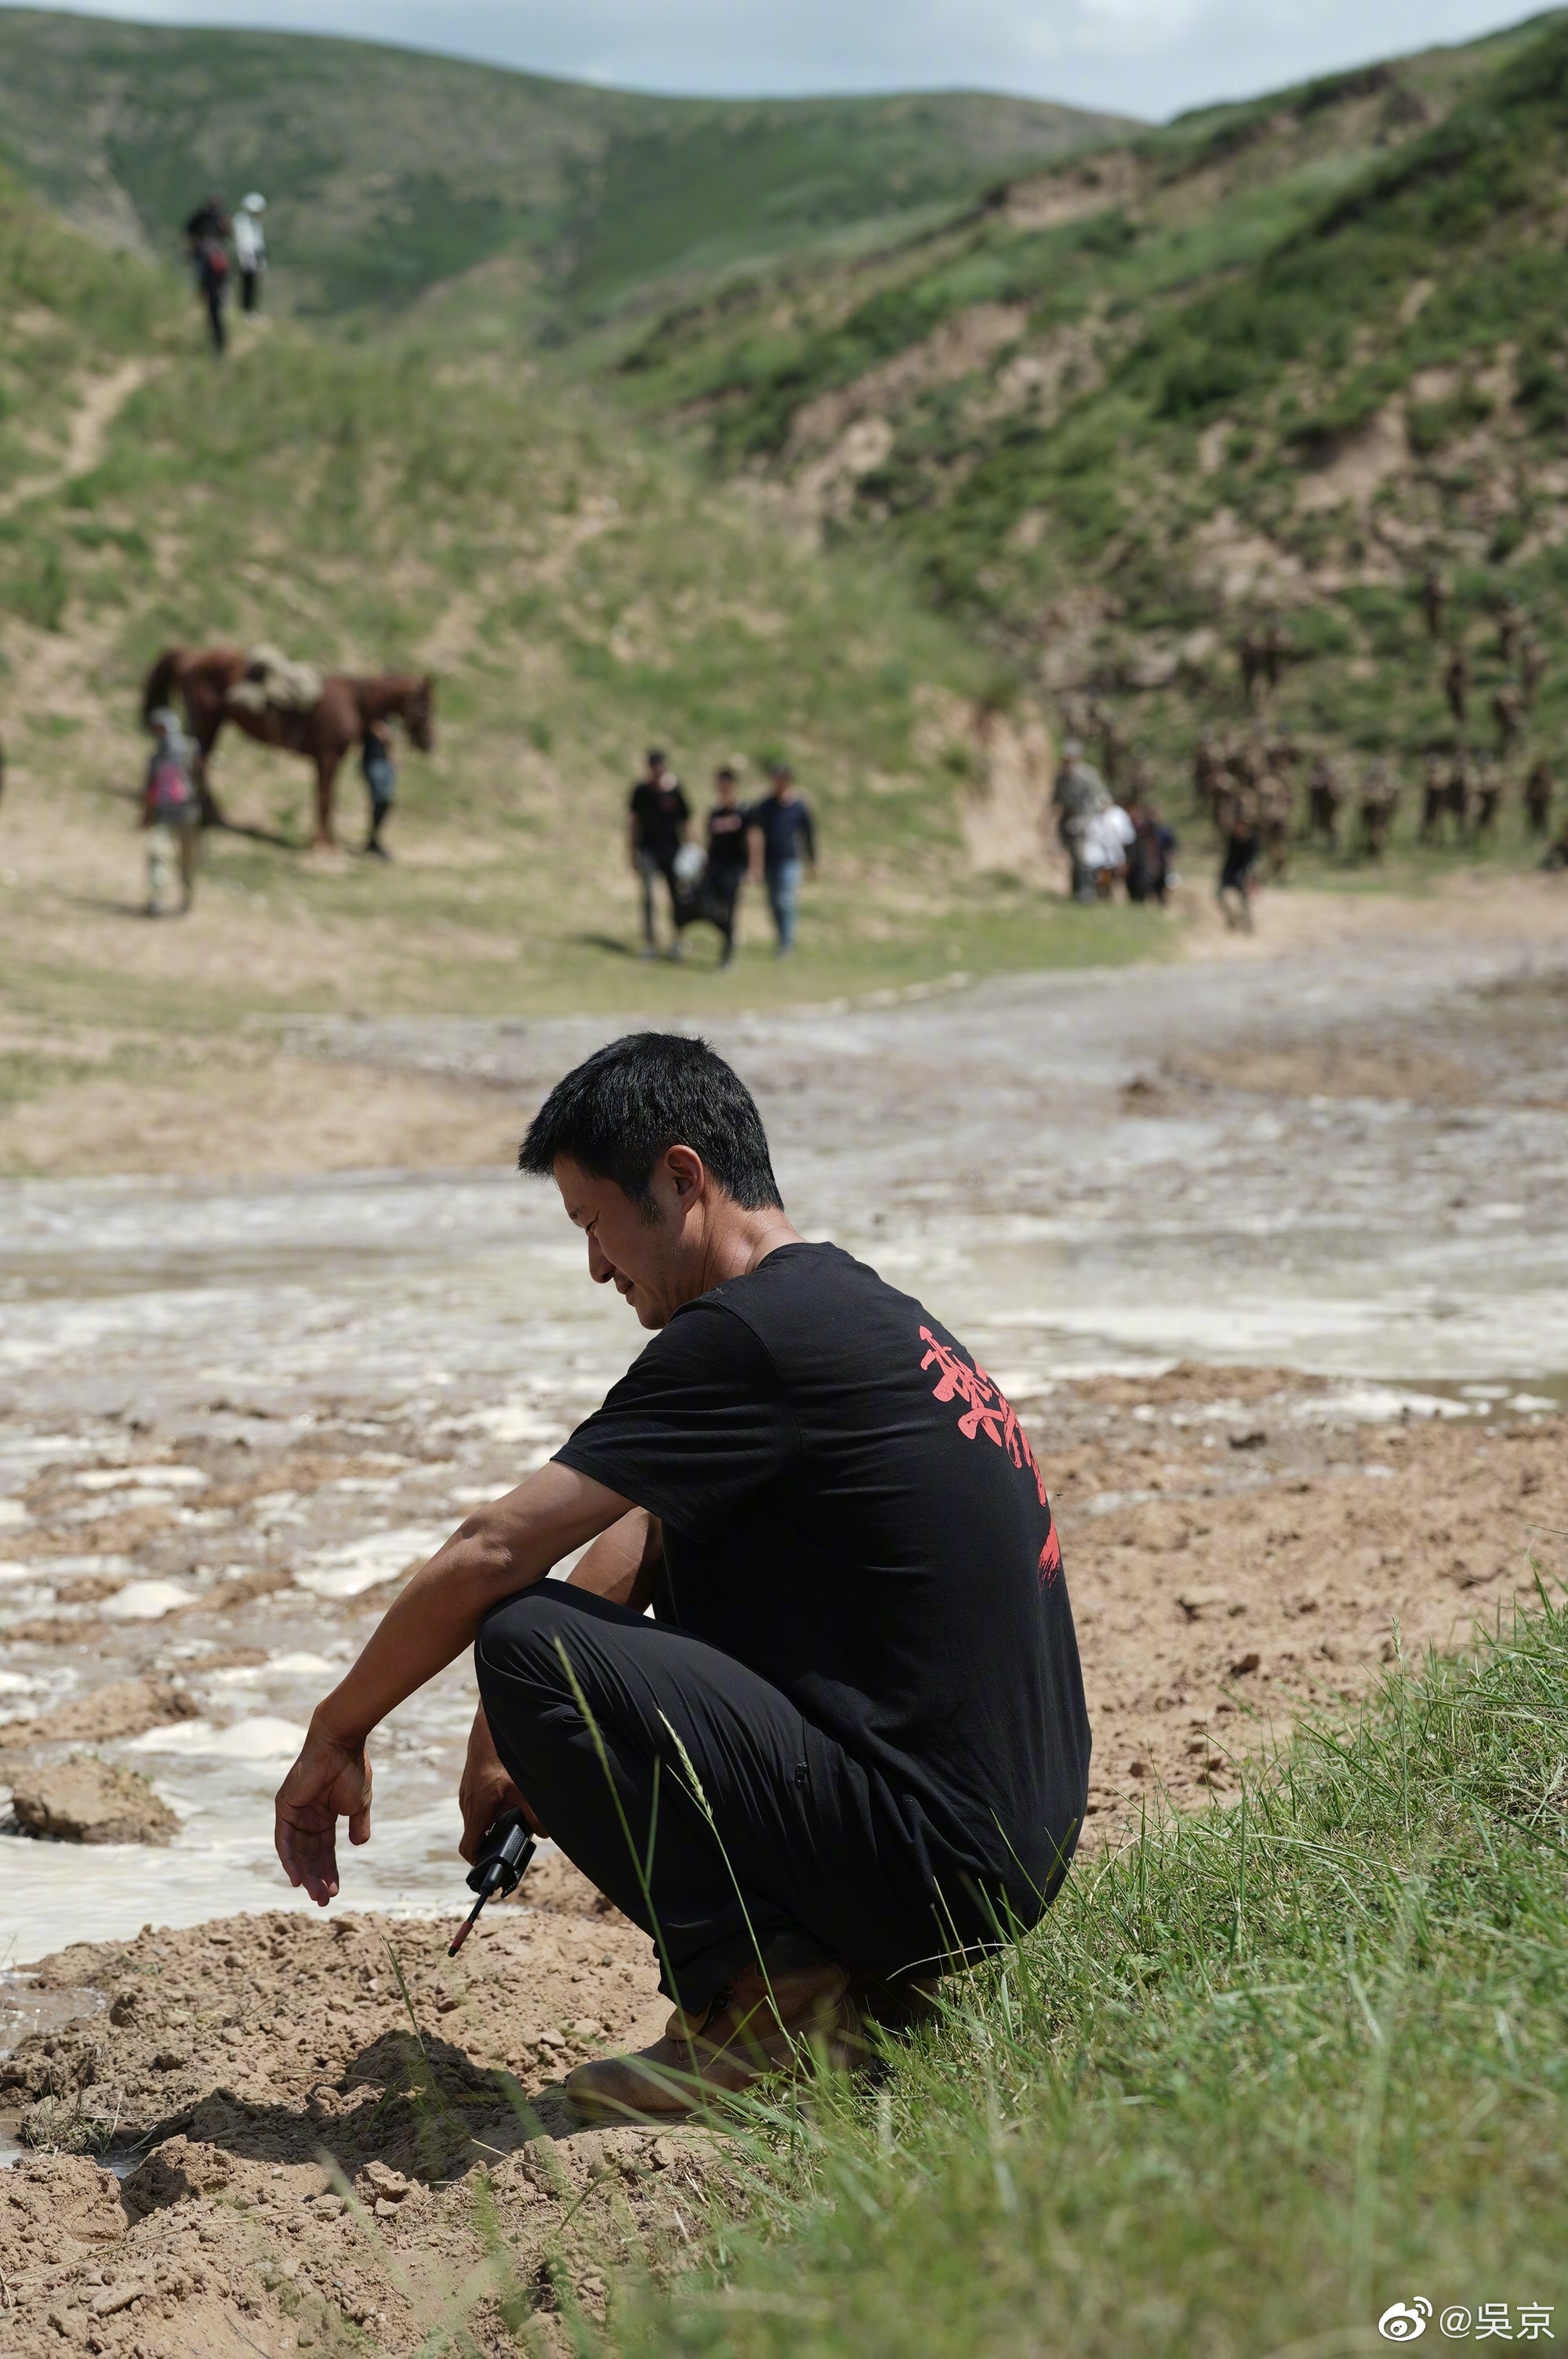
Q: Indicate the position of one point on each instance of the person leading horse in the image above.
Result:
(322, 732)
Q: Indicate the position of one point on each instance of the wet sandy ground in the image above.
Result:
(1334, 1190)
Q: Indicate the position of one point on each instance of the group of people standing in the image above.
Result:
(219, 244)
(1108, 842)
(770, 841)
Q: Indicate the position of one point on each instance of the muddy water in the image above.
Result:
(231, 1415)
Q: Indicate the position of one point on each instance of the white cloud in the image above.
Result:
(1141, 57)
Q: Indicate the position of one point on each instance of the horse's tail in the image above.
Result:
(160, 683)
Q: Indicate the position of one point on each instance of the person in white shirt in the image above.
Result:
(250, 250)
(1106, 837)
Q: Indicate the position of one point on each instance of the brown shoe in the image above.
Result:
(743, 2037)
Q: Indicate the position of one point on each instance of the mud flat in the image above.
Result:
(1272, 1259)
(250, 2071)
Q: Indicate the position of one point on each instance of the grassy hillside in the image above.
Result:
(1277, 356)
(579, 592)
(387, 172)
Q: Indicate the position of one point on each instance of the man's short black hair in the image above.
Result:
(632, 1100)
(656, 755)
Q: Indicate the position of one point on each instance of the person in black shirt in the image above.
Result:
(728, 859)
(783, 829)
(850, 1749)
(659, 817)
(206, 236)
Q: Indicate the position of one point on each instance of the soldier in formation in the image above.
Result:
(1489, 796)
(1325, 793)
(1380, 801)
(1508, 712)
(1434, 597)
(1510, 627)
(1456, 682)
(1537, 789)
(1456, 802)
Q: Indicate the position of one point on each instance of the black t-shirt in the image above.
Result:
(850, 1508)
(659, 813)
(726, 852)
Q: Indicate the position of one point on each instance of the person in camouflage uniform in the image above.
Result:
(1326, 793)
(1380, 801)
(1434, 596)
(1488, 798)
(1508, 712)
(1433, 798)
(1275, 800)
(1456, 682)
(1458, 803)
(1077, 797)
(1538, 791)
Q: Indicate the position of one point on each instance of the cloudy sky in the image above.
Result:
(1140, 57)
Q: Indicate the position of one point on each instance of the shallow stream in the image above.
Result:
(1030, 1157)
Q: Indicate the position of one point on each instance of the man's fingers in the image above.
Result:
(358, 1826)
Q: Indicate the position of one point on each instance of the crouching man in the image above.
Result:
(850, 1749)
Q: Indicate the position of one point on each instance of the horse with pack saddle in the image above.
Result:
(296, 707)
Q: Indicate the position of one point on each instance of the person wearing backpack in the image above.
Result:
(206, 236)
(171, 815)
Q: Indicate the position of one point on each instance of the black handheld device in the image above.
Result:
(504, 1853)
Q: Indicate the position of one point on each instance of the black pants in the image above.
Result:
(250, 290)
(658, 864)
(816, 1868)
(212, 295)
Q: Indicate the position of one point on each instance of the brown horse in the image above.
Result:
(202, 677)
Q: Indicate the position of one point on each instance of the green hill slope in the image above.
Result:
(578, 591)
(1279, 356)
(387, 172)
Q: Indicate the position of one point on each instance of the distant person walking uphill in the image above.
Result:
(206, 238)
(782, 827)
(250, 250)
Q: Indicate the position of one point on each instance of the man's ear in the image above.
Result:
(687, 1170)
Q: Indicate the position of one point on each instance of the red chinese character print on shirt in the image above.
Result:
(986, 1408)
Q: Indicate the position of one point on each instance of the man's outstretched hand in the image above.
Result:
(330, 1781)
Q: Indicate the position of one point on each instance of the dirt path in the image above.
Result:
(102, 398)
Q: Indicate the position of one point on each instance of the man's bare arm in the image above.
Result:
(622, 1565)
(501, 1548)
(623, 1562)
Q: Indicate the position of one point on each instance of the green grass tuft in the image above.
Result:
(1265, 2071)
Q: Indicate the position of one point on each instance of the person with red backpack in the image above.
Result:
(207, 233)
(171, 813)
